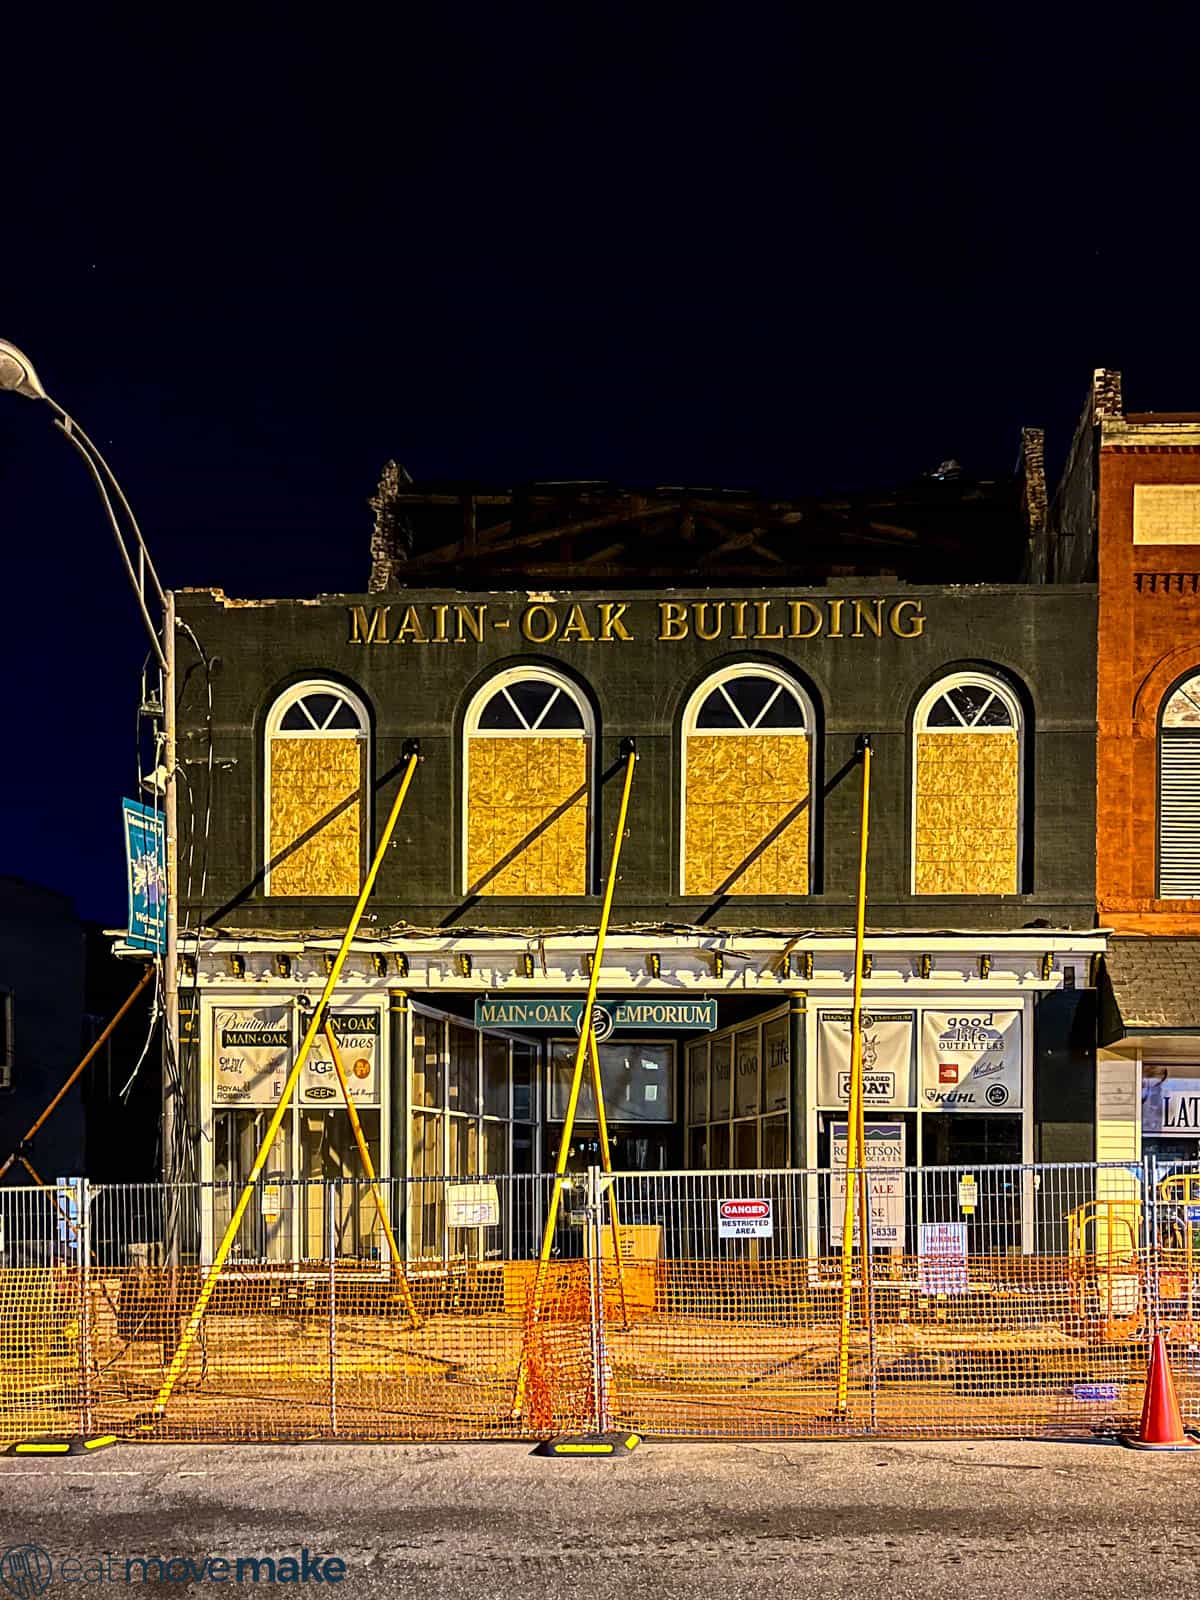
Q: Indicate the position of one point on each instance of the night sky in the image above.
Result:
(514, 243)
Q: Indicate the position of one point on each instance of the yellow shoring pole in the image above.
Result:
(585, 1028)
(855, 1122)
(66, 1088)
(369, 1169)
(606, 1164)
(188, 1337)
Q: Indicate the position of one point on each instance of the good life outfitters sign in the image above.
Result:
(971, 1060)
(649, 1016)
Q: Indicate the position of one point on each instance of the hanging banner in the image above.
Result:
(357, 1034)
(885, 1164)
(887, 1057)
(252, 1051)
(146, 874)
(971, 1060)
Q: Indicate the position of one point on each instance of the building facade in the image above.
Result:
(728, 970)
(1128, 514)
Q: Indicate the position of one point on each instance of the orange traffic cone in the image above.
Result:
(1161, 1427)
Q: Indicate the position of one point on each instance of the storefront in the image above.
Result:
(463, 1071)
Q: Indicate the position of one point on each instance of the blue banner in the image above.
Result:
(146, 860)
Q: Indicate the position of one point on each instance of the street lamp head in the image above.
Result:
(17, 374)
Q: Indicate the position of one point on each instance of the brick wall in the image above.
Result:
(1149, 636)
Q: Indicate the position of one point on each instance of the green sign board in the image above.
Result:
(648, 1015)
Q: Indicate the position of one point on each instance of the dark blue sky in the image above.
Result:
(513, 243)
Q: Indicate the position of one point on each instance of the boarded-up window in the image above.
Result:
(746, 795)
(967, 814)
(1179, 794)
(316, 792)
(528, 779)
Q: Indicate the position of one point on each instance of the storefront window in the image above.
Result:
(474, 1114)
(736, 1079)
(495, 1076)
(698, 1082)
(722, 1077)
(464, 1069)
(428, 1041)
(745, 1053)
(638, 1078)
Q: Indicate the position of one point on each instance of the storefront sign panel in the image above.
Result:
(357, 1034)
(745, 1219)
(942, 1258)
(252, 1051)
(884, 1162)
(1170, 1101)
(887, 1058)
(971, 1060)
(647, 1016)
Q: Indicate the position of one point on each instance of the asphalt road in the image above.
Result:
(476, 1521)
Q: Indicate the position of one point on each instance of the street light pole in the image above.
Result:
(17, 376)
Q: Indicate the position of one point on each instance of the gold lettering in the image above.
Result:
(703, 629)
(410, 628)
(795, 608)
(738, 607)
(439, 618)
(875, 623)
(528, 617)
(917, 626)
(368, 630)
(470, 619)
(672, 620)
(761, 607)
(575, 627)
(835, 619)
(611, 626)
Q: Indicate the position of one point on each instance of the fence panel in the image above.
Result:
(998, 1301)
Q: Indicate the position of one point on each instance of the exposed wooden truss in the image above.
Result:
(468, 535)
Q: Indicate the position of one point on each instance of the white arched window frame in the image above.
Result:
(527, 701)
(1179, 792)
(781, 707)
(985, 705)
(317, 708)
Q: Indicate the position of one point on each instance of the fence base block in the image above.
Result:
(589, 1444)
(75, 1444)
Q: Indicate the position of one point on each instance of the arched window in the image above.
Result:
(967, 788)
(316, 791)
(747, 759)
(1179, 793)
(527, 760)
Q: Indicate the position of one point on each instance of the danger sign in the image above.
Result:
(744, 1219)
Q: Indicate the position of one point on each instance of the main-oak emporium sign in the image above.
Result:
(650, 1016)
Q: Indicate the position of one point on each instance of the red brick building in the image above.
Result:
(1127, 514)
